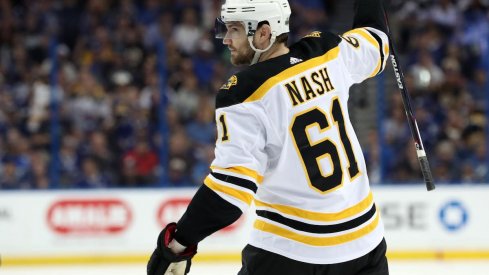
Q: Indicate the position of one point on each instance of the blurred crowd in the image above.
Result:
(105, 124)
(444, 46)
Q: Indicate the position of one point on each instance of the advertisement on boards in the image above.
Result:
(127, 222)
(449, 218)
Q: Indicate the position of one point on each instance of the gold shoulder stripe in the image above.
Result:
(242, 171)
(319, 216)
(372, 41)
(363, 33)
(386, 50)
(238, 194)
(317, 241)
(292, 71)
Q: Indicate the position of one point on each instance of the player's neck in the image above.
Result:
(275, 50)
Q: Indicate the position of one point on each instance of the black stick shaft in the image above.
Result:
(413, 125)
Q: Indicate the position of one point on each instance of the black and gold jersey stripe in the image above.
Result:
(318, 239)
(239, 183)
(315, 228)
(236, 181)
(243, 172)
(303, 214)
(374, 39)
(237, 192)
(381, 50)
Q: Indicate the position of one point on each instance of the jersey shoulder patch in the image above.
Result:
(316, 34)
(234, 91)
(232, 81)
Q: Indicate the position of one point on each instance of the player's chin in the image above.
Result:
(239, 60)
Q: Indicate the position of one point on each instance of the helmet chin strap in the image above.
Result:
(258, 52)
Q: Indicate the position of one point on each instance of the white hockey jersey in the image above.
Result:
(286, 143)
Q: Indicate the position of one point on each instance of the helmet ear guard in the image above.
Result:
(258, 52)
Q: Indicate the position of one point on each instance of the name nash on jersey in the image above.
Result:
(309, 87)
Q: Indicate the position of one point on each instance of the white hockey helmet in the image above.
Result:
(251, 12)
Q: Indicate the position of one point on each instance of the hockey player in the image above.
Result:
(286, 144)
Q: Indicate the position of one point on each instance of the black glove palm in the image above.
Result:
(162, 258)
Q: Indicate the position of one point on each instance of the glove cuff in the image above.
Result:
(166, 236)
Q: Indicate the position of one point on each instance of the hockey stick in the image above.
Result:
(413, 125)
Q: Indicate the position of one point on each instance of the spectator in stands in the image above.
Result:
(446, 165)
(150, 12)
(204, 62)
(69, 159)
(201, 129)
(475, 153)
(39, 175)
(99, 150)
(88, 105)
(91, 176)
(178, 173)
(17, 154)
(139, 165)
(154, 33)
(186, 98)
(427, 75)
(477, 87)
(12, 177)
(188, 32)
(203, 155)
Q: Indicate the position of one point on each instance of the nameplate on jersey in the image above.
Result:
(310, 86)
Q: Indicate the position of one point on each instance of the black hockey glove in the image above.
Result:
(163, 261)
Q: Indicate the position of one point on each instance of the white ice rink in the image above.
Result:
(206, 268)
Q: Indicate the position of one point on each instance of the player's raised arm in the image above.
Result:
(366, 46)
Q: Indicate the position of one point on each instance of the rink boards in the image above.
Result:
(65, 227)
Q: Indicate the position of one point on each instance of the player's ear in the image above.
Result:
(262, 36)
(264, 32)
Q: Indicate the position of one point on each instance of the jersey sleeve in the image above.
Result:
(240, 158)
(206, 214)
(366, 47)
(365, 52)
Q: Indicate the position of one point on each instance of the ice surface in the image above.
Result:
(479, 267)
